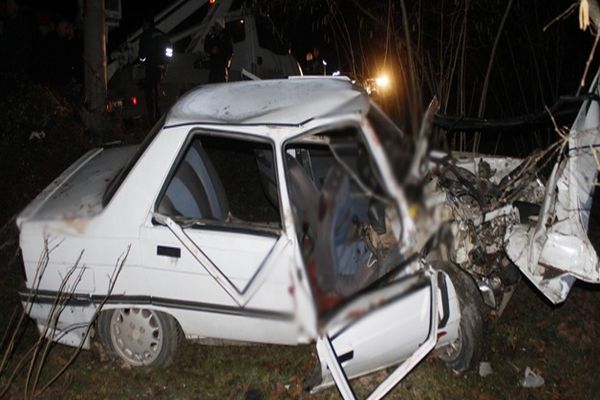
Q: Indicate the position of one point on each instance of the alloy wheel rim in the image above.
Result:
(137, 335)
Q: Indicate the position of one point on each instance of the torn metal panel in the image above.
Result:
(351, 346)
(481, 197)
(557, 250)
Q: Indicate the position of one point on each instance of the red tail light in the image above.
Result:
(134, 100)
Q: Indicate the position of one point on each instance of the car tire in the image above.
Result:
(139, 337)
(466, 351)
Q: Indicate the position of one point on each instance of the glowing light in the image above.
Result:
(336, 73)
(134, 100)
(169, 52)
(212, 2)
(382, 81)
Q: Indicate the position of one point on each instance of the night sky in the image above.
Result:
(532, 67)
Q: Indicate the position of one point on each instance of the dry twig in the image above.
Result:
(562, 15)
(36, 356)
(113, 279)
(588, 62)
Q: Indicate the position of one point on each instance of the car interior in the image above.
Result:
(224, 181)
(340, 214)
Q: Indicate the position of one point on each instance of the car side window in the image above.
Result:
(224, 181)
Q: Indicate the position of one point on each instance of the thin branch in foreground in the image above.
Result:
(37, 355)
(63, 303)
(558, 131)
(39, 272)
(10, 323)
(595, 154)
(51, 323)
(562, 15)
(113, 279)
(16, 370)
(588, 62)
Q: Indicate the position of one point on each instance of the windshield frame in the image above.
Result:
(398, 148)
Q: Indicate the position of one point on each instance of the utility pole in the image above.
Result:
(95, 76)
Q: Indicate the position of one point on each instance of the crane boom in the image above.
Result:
(167, 20)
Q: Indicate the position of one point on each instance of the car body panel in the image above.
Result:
(295, 103)
(251, 284)
(352, 348)
(556, 251)
(77, 192)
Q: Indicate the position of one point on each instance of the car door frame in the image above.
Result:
(282, 242)
(341, 320)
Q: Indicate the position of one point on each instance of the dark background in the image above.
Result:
(42, 132)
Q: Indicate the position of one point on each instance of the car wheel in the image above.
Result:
(466, 351)
(138, 336)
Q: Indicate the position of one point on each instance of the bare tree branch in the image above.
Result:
(113, 279)
(588, 62)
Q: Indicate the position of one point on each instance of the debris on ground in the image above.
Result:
(40, 135)
(532, 379)
(485, 369)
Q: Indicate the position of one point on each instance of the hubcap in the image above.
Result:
(137, 335)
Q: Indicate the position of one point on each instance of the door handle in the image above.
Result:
(168, 251)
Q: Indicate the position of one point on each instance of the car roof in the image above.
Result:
(292, 101)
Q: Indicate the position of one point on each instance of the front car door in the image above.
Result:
(377, 303)
(214, 246)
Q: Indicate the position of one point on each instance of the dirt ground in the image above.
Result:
(560, 343)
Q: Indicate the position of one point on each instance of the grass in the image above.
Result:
(559, 343)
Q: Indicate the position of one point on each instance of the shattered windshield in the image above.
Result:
(342, 214)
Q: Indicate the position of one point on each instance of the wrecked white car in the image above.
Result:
(267, 211)
(293, 211)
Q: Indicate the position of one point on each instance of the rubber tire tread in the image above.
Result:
(472, 326)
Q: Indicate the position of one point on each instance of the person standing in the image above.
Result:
(219, 46)
(314, 64)
(155, 53)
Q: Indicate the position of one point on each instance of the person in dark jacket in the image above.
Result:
(155, 53)
(219, 46)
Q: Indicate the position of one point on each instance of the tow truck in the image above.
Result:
(258, 53)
